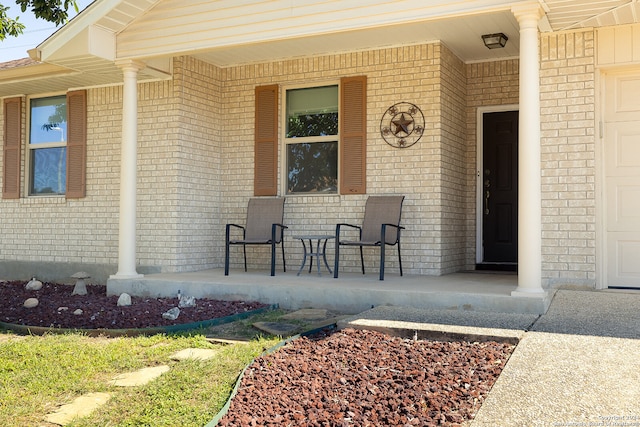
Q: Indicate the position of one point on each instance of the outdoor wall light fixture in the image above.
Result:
(495, 41)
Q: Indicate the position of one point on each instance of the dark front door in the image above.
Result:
(500, 191)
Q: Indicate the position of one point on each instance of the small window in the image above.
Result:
(47, 146)
(311, 138)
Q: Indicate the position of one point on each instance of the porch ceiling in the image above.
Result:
(461, 33)
(84, 52)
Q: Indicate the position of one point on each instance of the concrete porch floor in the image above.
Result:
(351, 293)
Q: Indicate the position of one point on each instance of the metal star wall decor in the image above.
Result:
(402, 125)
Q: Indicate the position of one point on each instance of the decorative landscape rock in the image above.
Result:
(81, 287)
(78, 312)
(171, 314)
(186, 301)
(33, 285)
(31, 302)
(124, 300)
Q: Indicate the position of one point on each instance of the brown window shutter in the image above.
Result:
(266, 141)
(353, 135)
(76, 144)
(12, 143)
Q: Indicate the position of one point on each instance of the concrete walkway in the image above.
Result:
(576, 365)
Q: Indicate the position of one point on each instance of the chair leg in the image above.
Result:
(284, 263)
(226, 253)
(399, 258)
(226, 259)
(361, 259)
(382, 247)
(383, 240)
(337, 253)
(273, 258)
(244, 250)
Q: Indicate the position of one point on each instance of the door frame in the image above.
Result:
(601, 139)
(480, 112)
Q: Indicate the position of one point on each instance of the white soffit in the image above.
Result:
(248, 31)
(228, 33)
(571, 14)
(462, 35)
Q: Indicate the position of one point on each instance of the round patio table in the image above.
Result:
(321, 239)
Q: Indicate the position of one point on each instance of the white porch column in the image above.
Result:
(128, 167)
(529, 182)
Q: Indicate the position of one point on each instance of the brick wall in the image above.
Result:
(195, 167)
(567, 86)
(455, 170)
(198, 175)
(39, 232)
(196, 161)
(405, 74)
(178, 178)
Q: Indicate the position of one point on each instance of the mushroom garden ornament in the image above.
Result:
(81, 287)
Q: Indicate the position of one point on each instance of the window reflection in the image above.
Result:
(48, 171)
(312, 167)
(312, 146)
(47, 145)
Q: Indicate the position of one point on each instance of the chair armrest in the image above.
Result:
(274, 230)
(399, 227)
(383, 232)
(228, 230)
(340, 225)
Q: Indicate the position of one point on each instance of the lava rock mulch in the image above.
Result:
(366, 378)
(56, 308)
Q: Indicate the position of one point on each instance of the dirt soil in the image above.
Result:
(365, 378)
(56, 307)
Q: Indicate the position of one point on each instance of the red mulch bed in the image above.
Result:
(100, 311)
(366, 378)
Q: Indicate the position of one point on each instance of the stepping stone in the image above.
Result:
(140, 377)
(275, 328)
(194, 354)
(227, 341)
(306, 314)
(80, 407)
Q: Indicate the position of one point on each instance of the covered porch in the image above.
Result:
(349, 294)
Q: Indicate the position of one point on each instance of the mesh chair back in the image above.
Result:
(262, 213)
(381, 210)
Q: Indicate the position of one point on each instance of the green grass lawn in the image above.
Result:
(40, 373)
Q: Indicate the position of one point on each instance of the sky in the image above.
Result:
(36, 31)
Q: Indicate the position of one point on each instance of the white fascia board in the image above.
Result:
(77, 27)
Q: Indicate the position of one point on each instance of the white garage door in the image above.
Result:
(622, 179)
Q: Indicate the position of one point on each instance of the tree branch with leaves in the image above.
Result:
(56, 11)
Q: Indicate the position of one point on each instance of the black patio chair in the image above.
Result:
(263, 227)
(380, 228)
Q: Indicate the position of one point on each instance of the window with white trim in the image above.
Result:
(47, 146)
(311, 139)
